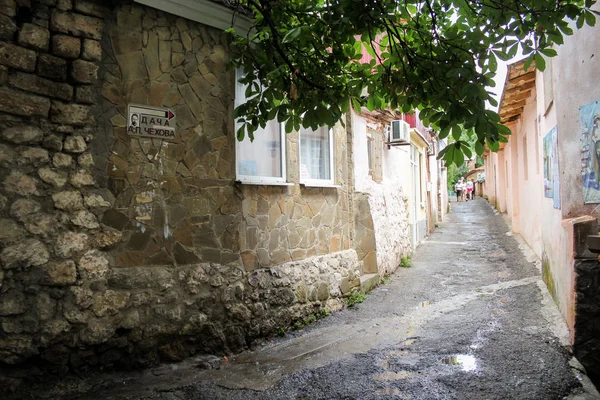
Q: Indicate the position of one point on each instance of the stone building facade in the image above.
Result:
(122, 250)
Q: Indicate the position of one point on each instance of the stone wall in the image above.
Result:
(586, 343)
(118, 250)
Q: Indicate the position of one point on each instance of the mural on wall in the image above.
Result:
(589, 119)
(551, 172)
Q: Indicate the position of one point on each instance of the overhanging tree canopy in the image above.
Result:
(302, 59)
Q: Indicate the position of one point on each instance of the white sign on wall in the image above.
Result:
(153, 122)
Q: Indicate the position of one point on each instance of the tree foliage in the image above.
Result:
(302, 59)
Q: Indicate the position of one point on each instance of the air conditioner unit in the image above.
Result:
(400, 131)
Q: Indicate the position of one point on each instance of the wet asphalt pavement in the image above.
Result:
(470, 319)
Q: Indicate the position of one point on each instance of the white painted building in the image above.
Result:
(398, 185)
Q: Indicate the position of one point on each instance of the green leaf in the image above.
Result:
(540, 63)
(356, 104)
(590, 19)
(493, 63)
(291, 35)
(456, 133)
(549, 52)
(289, 125)
(240, 133)
(479, 148)
(528, 62)
(580, 21)
(459, 157)
(503, 129)
(467, 151)
(493, 145)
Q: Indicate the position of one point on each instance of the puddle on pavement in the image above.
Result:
(466, 362)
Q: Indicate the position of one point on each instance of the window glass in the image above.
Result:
(261, 160)
(315, 154)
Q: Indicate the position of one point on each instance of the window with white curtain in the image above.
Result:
(316, 156)
(261, 161)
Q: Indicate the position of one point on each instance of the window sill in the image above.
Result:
(264, 183)
(321, 185)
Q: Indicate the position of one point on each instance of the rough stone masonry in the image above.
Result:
(126, 251)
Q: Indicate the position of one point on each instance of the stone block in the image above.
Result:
(21, 184)
(23, 104)
(23, 134)
(368, 282)
(53, 177)
(80, 179)
(53, 142)
(41, 224)
(35, 37)
(14, 349)
(85, 219)
(107, 239)
(164, 55)
(17, 57)
(74, 144)
(96, 201)
(33, 156)
(84, 71)
(92, 50)
(9, 230)
(7, 27)
(70, 244)
(62, 160)
(96, 332)
(93, 265)
(85, 94)
(76, 24)
(23, 207)
(13, 302)
(110, 303)
(66, 46)
(92, 8)
(35, 84)
(68, 201)
(60, 273)
(72, 114)
(249, 260)
(25, 254)
(52, 67)
(64, 5)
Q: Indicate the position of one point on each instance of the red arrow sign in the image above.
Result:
(171, 115)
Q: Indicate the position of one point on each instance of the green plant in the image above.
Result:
(310, 319)
(383, 280)
(322, 313)
(406, 262)
(355, 298)
(281, 331)
(299, 325)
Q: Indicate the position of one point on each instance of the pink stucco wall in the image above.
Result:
(517, 187)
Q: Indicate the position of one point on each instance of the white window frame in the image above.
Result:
(318, 182)
(370, 148)
(260, 180)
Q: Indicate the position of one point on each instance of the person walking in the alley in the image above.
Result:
(470, 189)
(458, 190)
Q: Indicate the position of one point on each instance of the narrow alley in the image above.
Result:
(471, 319)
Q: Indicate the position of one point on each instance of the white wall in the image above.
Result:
(386, 198)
